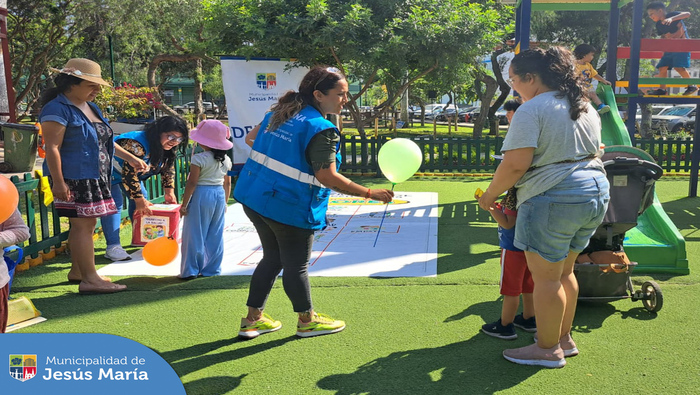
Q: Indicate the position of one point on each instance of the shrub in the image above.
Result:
(127, 101)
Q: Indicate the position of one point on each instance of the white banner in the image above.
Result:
(251, 87)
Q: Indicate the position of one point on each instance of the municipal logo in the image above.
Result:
(22, 367)
(266, 81)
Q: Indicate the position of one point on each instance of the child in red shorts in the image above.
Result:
(515, 276)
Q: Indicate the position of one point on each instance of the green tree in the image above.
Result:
(389, 42)
(151, 44)
(41, 34)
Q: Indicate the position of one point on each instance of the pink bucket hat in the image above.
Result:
(213, 134)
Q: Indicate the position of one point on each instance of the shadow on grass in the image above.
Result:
(217, 385)
(684, 213)
(46, 284)
(199, 357)
(467, 236)
(476, 365)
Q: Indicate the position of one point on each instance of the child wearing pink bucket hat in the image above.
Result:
(204, 202)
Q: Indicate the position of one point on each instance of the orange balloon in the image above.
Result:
(161, 251)
(9, 198)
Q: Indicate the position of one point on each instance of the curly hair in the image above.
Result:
(319, 78)
(153, 132)
(556, 69)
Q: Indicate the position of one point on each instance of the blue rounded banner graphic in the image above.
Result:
(83, 363)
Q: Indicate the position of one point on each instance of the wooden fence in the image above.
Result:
(441, 155)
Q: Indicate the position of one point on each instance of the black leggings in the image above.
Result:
(284, 247)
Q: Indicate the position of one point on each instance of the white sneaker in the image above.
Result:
(117, 253)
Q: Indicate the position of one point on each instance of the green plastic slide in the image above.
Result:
(655, 243)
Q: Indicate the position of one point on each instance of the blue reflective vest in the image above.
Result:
(118, 163)
(277, 182)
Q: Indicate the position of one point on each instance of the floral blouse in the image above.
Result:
(130, 178)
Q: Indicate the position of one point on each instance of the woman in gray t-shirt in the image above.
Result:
(551, 155)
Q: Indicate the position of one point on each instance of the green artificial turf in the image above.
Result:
(404, 335)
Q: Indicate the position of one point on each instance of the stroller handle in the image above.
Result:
(653, 170)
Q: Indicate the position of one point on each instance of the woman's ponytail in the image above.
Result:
(557, 70)
(289, 104)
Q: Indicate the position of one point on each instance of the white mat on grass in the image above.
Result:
(406, 247)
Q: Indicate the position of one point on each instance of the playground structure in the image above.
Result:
(655, 243)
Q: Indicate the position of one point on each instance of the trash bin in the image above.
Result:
(20, 146)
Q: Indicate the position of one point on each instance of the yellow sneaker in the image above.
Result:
(265, 324)
(320, 324)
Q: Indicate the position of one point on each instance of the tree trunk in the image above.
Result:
(485, 95)
(356, 116)
(404, 107)
(199, 110)
(422, 109)
(153, 66)
(505, 91)
(645, 124)
(387, 104)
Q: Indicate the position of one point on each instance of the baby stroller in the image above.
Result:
(603, 270)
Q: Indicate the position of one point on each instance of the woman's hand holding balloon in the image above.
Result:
(383, 195)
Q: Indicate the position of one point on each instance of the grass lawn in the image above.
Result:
(404, 335)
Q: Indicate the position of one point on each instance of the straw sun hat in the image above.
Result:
(84, 69)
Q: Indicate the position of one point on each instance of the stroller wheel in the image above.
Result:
(653, 298)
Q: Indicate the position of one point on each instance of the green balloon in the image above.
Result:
(399, 159)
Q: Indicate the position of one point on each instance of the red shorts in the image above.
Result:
(515, 276)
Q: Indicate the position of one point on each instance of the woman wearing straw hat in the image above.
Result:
(79, 151)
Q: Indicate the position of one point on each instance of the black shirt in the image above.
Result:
(662, 29)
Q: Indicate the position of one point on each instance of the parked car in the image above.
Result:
(690, 125)
(449, 113)
(464, 113)
(209, 107)
(500, 113)
(502, 118)
(673, 119)
(655, 110)
(429, 115)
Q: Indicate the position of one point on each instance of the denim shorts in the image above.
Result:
(563, 218)
(674, 59)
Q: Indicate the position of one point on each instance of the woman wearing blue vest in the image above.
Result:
(79, 151)
(284, 188)
(157, 146)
